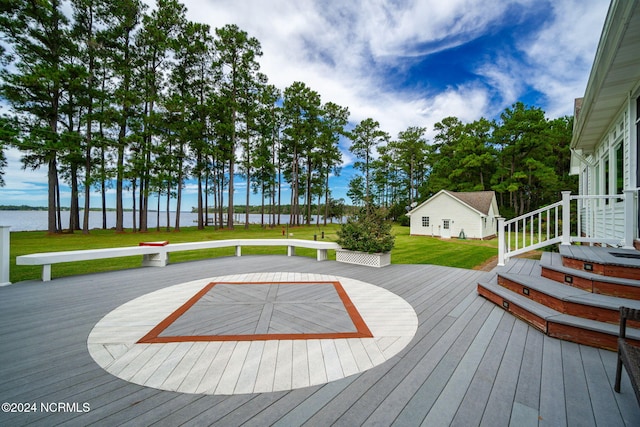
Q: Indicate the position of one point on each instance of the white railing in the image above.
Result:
(4, 255)
(602, 219)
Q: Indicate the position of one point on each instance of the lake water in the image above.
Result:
(37, 220)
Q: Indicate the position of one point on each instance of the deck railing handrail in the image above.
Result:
(552, 224)
(532, 213)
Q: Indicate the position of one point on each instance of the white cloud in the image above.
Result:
(341, 49)
(467, 102)
(429, 26)
(344, 49)
(561, 53)
(18, 179)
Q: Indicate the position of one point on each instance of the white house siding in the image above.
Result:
(607, 116)
(592, 177)
(443, 207)
(489, 223)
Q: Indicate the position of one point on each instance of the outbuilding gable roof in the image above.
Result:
(478, 200)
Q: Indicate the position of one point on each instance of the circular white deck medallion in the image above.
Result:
(252, 333)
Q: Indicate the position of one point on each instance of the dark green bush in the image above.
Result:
(367, 231)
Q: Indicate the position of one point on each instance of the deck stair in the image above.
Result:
(573, 295)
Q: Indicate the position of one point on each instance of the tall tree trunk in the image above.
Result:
(158, 212)
(220, 181)
(206, 199)
(248, 166)
(119, 181)
(89, 132)
(52, 179)
(74, 208)
(199, 208)
(58, 204)
(309, 196)
(169, 173)
(87, 176)
(279, 191)
(168, 206)
(179, 192)
(103, 186)
(262, 205)
(133, 201)
(326, 200)
(103, 160)
(232, 166)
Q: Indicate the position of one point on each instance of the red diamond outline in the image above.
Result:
(362, 330)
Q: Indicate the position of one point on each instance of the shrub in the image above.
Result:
(367, 231)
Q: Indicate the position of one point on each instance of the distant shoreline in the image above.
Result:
(63, 209)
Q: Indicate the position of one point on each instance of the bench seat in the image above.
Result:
(158, 255)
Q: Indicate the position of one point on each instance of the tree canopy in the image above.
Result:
(116, 94)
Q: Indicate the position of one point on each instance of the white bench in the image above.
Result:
(158, 255)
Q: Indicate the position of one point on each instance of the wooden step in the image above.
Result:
(552, 268)
(555, 323)
(615, 262)
(567, 299)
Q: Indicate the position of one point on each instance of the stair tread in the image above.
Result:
(568, 293)
(551, 315)
(599, 255)
(553, 261)
(529, 305)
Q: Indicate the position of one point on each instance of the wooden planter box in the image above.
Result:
(363, 258)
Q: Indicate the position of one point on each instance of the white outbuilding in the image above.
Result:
(472, 215)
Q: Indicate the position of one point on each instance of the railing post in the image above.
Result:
(566, 218)
(629, 214)
(501, 242)
(4, 255)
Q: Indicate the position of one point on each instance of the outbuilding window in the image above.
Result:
(425, 221)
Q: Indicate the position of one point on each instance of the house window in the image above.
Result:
(619, 169)
(607, 189)
(445, 224)
(425, 221)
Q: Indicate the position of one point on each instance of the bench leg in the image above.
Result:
(46, 272)
(238, 250)
(155, 260)
(616, 387)
(291, 250)
(322, 255)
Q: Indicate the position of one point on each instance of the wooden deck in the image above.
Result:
(470, 363)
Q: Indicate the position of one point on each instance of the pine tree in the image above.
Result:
(38, 34)
(237, 58)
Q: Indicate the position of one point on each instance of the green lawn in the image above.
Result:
(408, 249)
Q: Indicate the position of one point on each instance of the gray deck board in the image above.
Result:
(604, 408)
(438, 365)
(477, 394)
(469, 364)
(552, 404)
(577, 399)
(624, 400)
(528, 391)
(501, 400)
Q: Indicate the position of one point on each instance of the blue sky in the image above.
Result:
(403, 63)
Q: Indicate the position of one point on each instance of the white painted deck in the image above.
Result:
(222, 345)
(469, 363)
